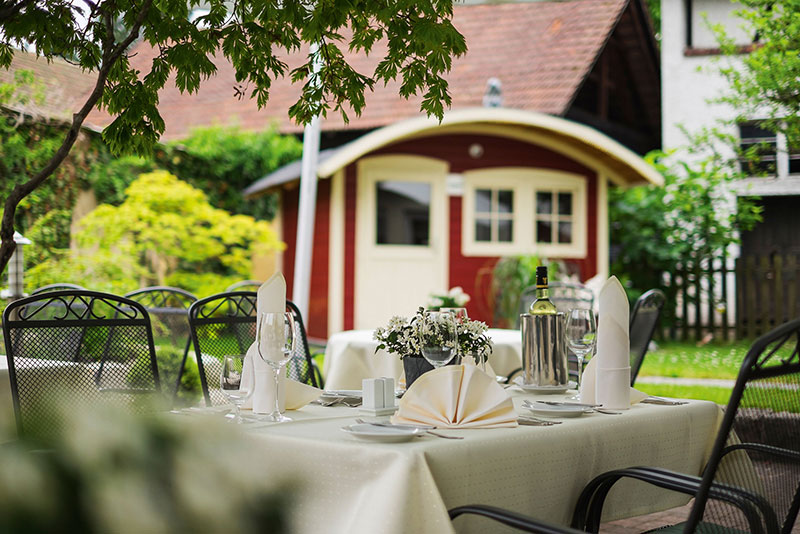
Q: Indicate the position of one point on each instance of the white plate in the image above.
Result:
(557, 410)
(382, 434)
(533, 388)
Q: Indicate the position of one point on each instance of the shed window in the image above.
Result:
(554, 217)
(403, 213)
(494, 215)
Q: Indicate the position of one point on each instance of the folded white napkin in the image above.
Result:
(611, 372)
(291, 394)
(456, 396)
(590, 381)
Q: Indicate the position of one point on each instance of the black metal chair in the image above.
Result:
(226, 324)
(751, 482)
(70, 347)
(644, 319)
(56, 287)
(244, 285)
(512, 519)
(168, 308)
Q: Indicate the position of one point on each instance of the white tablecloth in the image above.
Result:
(350, 357)
(347, 485)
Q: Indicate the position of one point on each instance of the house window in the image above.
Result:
(403, 213)
(774, 157)
(554, 217)
(494, 215)
(516, 211)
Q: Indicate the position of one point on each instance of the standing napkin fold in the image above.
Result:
(271, 299)
(607, 377)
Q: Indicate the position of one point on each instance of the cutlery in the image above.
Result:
(606, 411)
(424, 428)
(535, 421)
(562, 403)
(663, 401)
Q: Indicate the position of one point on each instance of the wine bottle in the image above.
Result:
(542, 304)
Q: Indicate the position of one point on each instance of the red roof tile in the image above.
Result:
(540, 51)
(65, 86)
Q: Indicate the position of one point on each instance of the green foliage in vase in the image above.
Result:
(164, 231)
(690, 220)
(405, 336)
(763, 82)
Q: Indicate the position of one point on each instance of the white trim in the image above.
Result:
(631, 168)
(524, 182)
(336, 255)
(603, 266)
(277, 227)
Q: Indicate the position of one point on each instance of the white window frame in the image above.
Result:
(524, 182)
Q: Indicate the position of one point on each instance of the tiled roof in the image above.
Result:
(540, 51)
(65, 86)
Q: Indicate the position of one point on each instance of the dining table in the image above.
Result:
(353, 355)
(344, 483)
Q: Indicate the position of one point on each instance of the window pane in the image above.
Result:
(544, 203)
(544, 231)
(403, 213)
(565, 203)
(505, 201)
(565, 232)
(505, 231)
(483, 230)
(483, 200)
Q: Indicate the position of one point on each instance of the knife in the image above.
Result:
(558, 403)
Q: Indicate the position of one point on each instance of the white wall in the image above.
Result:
(689, 82)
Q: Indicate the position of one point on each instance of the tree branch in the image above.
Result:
(111, 54)
(9, 9)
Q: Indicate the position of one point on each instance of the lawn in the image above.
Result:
(687, 360)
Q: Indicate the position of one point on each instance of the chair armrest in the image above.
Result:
(589, 507)
(512, 519)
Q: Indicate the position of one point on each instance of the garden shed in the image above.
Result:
(419, 206)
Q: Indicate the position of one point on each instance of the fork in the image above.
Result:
(432, 433)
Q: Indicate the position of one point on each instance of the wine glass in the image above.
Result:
(460, 315)
(275, 344)
(438, 338)
(581, 331)
(230, 383)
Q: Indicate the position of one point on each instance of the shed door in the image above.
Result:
(401, 236)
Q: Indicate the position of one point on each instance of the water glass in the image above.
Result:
(438, 338)
(230, 383)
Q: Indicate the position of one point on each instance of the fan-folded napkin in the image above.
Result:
(456, 396)
(607, 377)
(258, 374)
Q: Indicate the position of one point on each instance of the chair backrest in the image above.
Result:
(56, 287)
(244, 285)
(74, 346)
(564, 295)
(301, 367)
(644, 319)
(168, 308)
(758, 444)
(226, 324)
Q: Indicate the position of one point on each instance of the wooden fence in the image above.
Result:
(731, 299)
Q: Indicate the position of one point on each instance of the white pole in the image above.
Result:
(305, 214)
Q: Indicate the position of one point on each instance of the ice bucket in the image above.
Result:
(544, 354)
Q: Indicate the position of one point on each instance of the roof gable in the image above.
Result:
(540, 51)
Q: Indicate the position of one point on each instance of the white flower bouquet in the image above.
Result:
(455, 298)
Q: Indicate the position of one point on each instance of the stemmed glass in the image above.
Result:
(439, 338)
(275, 344)
(581, 331)
(460, 315)
(230, 383)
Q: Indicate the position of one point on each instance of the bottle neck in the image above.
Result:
(542, 293)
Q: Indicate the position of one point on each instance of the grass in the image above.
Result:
(687, 360)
